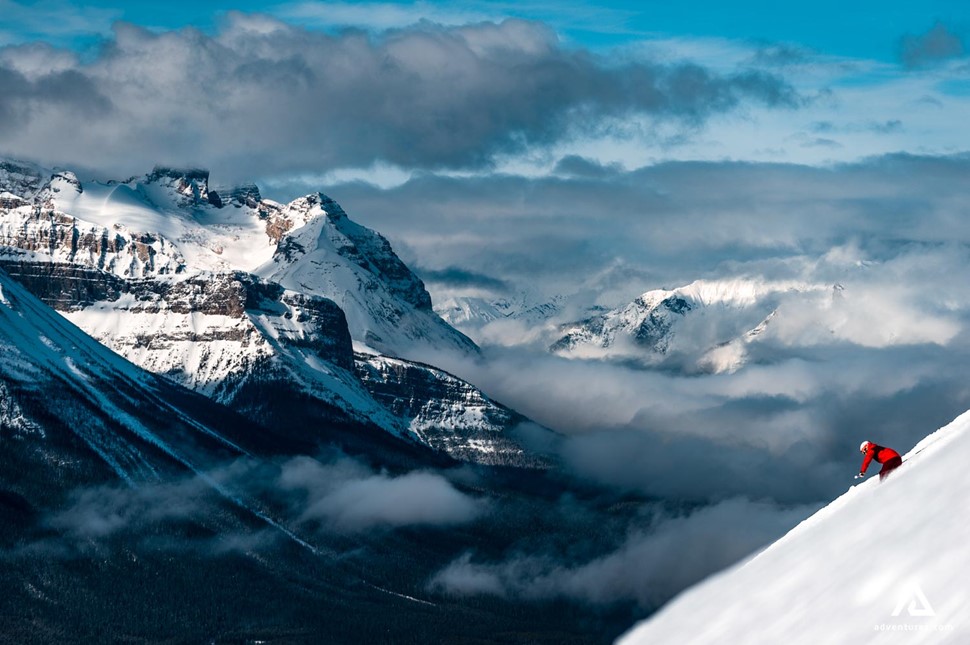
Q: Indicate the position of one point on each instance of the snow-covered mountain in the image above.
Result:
(444, 411)
(884, 563)
(233, 296)
(516, 320)
(69, 403)
(387, 306)
(704, 325)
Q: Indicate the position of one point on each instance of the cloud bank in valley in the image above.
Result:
(648, 567)
(347, 497)
(337, 495)
(879, 357)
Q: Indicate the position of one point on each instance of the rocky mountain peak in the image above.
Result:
(20, 179)
(243, 195)
(61, 184)
(192, 184)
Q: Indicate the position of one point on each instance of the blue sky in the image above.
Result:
(866, 29)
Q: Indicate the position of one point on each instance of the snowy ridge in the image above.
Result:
(706, 323)
(170, 222)
(445, 412)
(508, 321)
(884, 563)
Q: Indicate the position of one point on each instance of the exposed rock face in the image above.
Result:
(159, 270)
(66, 239)
(191, 185)
(21, 179)
(65, 287)
(446, 412)
(649, 322)
(245, 195)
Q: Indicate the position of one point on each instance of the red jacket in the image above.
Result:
(879, 453)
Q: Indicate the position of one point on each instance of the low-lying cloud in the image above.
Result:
(339, 495)
(345, 497)
(648, 568)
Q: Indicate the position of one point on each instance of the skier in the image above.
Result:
(888, 457)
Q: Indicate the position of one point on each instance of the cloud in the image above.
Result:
(782, 55)
(934, 46)
(263, 97)
(57, 19)
(458, 277)
(36, 60)
(882, 356)
(346, 497)
(619, 233)
(337, 494)
(378, 16)
(102, 511)
(648, 568)
(576, 166)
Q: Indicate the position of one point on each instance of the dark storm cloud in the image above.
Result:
(262, 96)
(936, 45)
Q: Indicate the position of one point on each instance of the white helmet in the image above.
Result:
(863, 446)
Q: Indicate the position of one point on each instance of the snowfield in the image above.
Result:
(886, 562)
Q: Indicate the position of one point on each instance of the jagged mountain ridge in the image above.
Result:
(161, 270)
(403, 386)
(704, 325)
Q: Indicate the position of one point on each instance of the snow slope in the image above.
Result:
(886, 562)
(110, 404)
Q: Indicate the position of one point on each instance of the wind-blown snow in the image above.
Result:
(884, 563)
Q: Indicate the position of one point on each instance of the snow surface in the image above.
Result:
(886, 562)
